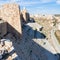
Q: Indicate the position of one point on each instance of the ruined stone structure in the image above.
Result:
(25, 15)
(11, 14)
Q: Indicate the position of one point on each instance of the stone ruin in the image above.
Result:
(5, 47)
(12, 19)
(10, 22)
(25, 15)
(10, 14)
(10, 26)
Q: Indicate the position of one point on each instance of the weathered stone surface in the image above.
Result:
(25, 14)
(11, 14)
(3, 28)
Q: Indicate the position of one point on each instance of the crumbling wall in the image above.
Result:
(11, 14)
(25, 15)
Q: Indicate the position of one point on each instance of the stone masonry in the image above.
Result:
(25, 15)
(11, 14)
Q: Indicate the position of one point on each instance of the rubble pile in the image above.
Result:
(5, 48)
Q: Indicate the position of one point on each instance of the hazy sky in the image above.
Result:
(38, 6)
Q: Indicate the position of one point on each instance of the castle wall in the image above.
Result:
(11, 14)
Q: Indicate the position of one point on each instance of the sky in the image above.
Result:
(37, 6)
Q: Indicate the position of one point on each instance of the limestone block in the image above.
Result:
(14, 56)
(3, 28)
(8, 43)
(11, 50)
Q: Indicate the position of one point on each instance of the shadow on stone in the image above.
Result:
(28, 49)
(34, 33)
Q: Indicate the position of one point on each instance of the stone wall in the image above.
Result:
(25, 15)
(11, 14)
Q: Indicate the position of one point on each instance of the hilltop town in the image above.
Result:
(28, 37)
